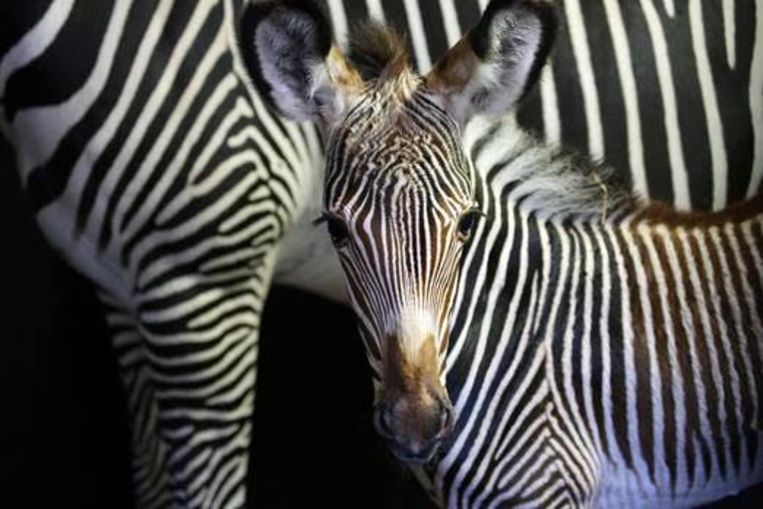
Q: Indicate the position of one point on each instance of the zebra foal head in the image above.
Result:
(399, 188)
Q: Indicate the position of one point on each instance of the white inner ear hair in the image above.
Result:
(515, 39)
(282, 45)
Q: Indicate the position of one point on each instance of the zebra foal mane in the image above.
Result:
(550, 181)
(562, 183)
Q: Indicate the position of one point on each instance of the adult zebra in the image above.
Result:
(104, 141)
(155, 170)
(608, 351)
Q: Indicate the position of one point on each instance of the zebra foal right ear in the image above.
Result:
(490, 70)
(289, 53)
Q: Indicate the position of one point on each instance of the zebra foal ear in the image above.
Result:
(287, 46)
(491, 69)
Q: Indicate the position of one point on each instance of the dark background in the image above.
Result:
(63, 428)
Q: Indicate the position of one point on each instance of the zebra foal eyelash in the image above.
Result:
(325, 216)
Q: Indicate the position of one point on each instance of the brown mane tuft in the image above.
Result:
(378, 52)
(658, 213)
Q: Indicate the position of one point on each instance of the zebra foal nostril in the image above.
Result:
(447, 419)
(414, 431)
(384, 421)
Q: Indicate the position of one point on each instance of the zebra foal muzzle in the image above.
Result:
(413, 411)
(391, 421)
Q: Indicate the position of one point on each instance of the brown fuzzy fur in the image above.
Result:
(378, 52)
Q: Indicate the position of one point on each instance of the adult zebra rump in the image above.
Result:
(604, 350)
(156, 171)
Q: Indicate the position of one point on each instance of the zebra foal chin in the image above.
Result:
(540, 335)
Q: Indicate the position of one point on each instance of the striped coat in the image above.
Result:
(652, 85)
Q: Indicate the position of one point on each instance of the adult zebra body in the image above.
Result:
(155, 171)
(605, 351)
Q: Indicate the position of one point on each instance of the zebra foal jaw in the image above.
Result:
(598, 350)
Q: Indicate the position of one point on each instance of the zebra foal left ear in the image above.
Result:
(288, 49)
(491, 69)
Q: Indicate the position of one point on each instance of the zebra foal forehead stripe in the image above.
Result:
(415, 325)
(420, 148)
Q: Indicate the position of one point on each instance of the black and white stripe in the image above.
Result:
(157, 172)
(604, 351)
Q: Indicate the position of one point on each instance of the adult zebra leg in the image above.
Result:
(190, 395)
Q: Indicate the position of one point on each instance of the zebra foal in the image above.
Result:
(576, 346)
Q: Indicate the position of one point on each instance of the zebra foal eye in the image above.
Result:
(337, 229)
(467, 222)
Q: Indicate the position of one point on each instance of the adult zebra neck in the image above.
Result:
(307, 259)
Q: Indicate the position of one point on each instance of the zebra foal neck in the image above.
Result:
(611, 346)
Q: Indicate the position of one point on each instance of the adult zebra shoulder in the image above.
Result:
(606, 351)
(155, 170)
